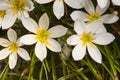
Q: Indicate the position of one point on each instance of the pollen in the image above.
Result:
(13, 47)
(42, 36)
(87, 38)
(93, 16)
(17, 5)
(2, 13)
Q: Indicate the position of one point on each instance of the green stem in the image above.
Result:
(53, 67)
(4, 73)
(33, 61)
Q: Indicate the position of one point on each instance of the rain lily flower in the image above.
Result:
(103, 3)
(42, 36)
(58, 5)
(12, 48)
(15, 9)
(87, 35)
(94, 14)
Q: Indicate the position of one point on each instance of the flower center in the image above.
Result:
(17, 5)
(13, 47)
(2, 13)
(42, 36)
(93, 16)
(87, 38)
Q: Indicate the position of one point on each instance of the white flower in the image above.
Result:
(94, 14)
(12, 48)
(103, 3)
(58, 5)
(15, 9)
(42, 35)
(87, 34)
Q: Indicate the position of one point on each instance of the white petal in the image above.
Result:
(12, 36)
(57, 31)
(102, 10)
(77, 4)
(73, 40)
(109, 18)
(22, 14)
(103, 38)
(116, 2)
(29, 6)
(4, 42)
(93, 27)
(102, 3)
(19, 43)
(95, 53)
(8, 20)
(44, 21)
(43, 1)
(4, 53)
(4, 6)
(79, 27)
(79, 15)
(12, 60)
(28, 39)
(89, 7)
(79, 52)
(58, 8)
(40, 51)
(101, 29)
(23, 54)
(30, 24)
(54, 45)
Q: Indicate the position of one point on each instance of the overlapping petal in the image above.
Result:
(57, 31)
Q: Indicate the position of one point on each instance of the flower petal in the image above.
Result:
(77, 4)
(43, 1)
(102, 10)
(54, 45)
(4, 53)
(22, 14)
(101, 29)
(58, 8)
(57, 31)
(44, 21)
(73, 40)
(116, 2)
(4, 5)
(30, 24)
(79, 27)
(93, 27)
(79, 15)
(4, 42)
(103, 38)
(23, 54)
(89, 7)
(12, 60)
(8, 20)
(40, 51)
(102, 3)
(109, 18)
(28, 39)
(95, 53)
(30, 5)
(79, 52)
(12, 36)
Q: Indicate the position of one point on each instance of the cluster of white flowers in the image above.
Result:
(88, 26)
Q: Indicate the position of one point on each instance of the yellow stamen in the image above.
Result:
(13, 47)
(42, 36)
(93, 16)
(17, 5)
(2, 13)
(87, 38)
